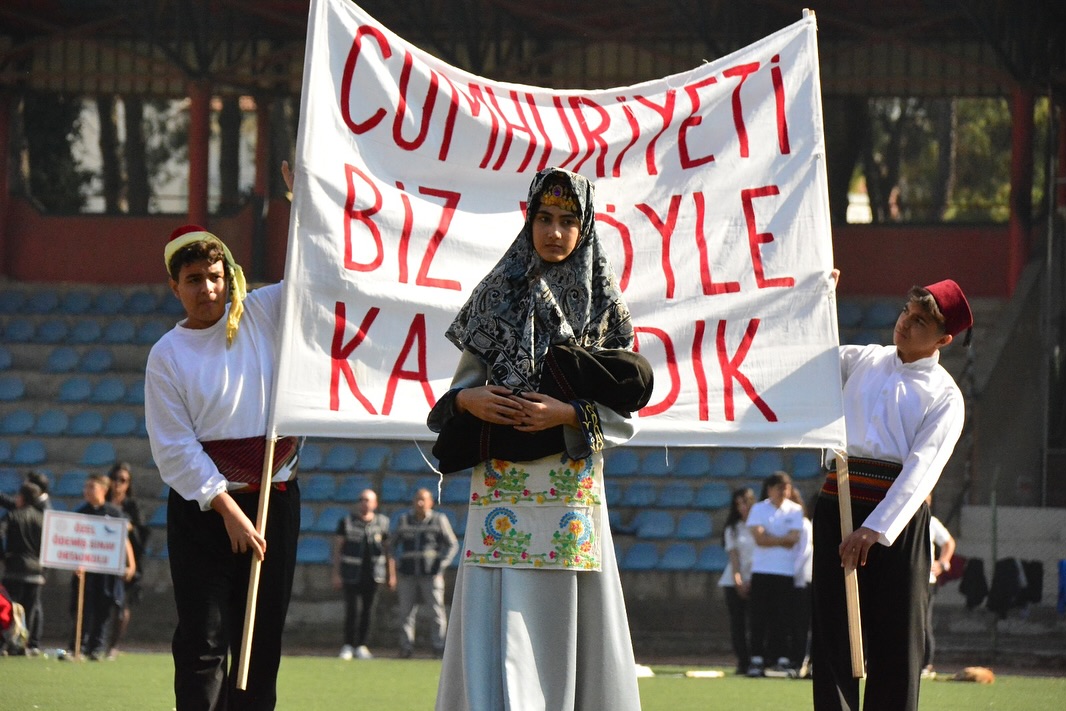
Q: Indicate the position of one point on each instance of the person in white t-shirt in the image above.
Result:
(776, 524)
(736, 578)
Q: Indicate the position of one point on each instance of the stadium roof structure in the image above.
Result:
(889, 47)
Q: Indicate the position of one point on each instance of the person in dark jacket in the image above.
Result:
(20, 539)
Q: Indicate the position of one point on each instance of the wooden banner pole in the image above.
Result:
(851, 576)
(253, 577)
(81, 614)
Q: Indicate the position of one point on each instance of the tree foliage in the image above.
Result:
(51, 124)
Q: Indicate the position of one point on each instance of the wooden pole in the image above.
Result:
(851, 577)
(81, 613)
(253, 577)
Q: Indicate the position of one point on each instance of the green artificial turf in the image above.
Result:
(142, 682)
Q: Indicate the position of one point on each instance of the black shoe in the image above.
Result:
(406, 653)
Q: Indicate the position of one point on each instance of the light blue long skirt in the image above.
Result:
(539, 640)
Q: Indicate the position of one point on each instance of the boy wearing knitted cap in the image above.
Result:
(208, 382)
(903, 415)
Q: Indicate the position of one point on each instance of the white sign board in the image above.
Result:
(96, 544)
(712, 203)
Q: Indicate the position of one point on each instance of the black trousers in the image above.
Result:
(210, 591)
(772, 608)
(893, 594)
(738, 626)
(358, 603)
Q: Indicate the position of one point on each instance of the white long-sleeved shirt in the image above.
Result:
(776, 521)
(910, 413)
(196, 390)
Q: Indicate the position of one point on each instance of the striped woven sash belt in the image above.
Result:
(868, 479)
(241, 460)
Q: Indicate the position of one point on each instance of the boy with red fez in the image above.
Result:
(207, 387)
(903, 414)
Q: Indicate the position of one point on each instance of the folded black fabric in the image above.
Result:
(619, 379)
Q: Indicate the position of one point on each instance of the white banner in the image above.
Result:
(96, 544)
(411, 177)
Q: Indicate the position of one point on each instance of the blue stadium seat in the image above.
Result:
(394, 490)
(44, 301)
(11, 301)
(307, 518)
(713, 495)
(75, 389)
(678, 556)
(135, 392)
(87, 423)
(694, 526)
(51, 332)
(729, 463)
(5, 450)
(150, 332)
(19, 330)
(28, 453)
(373, 459)
(849, 314)
(765, 463)
(317, 487)
(881, 315)
(51, 423)
(640, 494)
(408, 460)
(120, 331)
(76, 302)
(456, 490)
(84, 332)
(657, 463)
(328, 518)
(71, 483)
(17, 422)
(158, 518)
(640, 556)
(806, 465)
(622, 461)
(675, 495)
(108, 390)
(613, 491)
(120, 423)
(339, 458)
(170, 306)
(313, 550)
(96, 360)
(459, 526)
(712, 559)
(141, 302)
(432, 484)
(351, 486)
(11, 388)
(655, 524)
(98, 453)
(694, 463)
(62, 359)
(6, 359)
(310, 455)
(109, 302)
(10, 481)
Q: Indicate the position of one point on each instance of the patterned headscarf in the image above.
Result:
(524, 305)
(189, 234)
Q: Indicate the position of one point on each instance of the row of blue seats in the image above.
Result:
(104, 390)
(624, 462)
(33, 453)
(77, 302)
(640, 556)
(86, 423)
(119, 331)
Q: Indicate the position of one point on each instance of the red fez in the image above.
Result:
(184, 230)
(952, 303)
